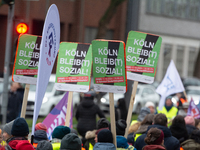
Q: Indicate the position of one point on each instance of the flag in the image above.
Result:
(193, 110)
(57, 116)
(170, 84)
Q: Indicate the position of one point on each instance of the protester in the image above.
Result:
(103, 123)
(24, 145)
(193, 143)
(44, 145)
(71, 142)
(181, 100)
(121, 109)
(168, 109)
(154, 139)
(148, 120)
(19, 132)
(58, 133)
(15, 99)
(96, 134)
(144, 111)
(39, 135)
(40, 126)
(151, 106)
(183, 109)
(86, 115)
(7, 131)
(190, 124)
(178, 129)
(105, 141)
(160, 122)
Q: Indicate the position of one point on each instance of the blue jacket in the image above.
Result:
(170, 142)
(104, 146)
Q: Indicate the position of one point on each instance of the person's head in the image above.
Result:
(40, 126)
(60, 131)
(144, 111)
(178, 120)
(44, 145)
(40, 135)
(96, 133)
(189, 120)
(24, 144)
(195, 136)
(151, 106)
(14, 86)
(185, 106)
(121, 127)
(168, 101)
(105, 136)
(121, 103)
(154, 136)
(103, 123)
(197, 123)
(71, 141)
(160, 119)
(179, 95)
(7, 130)
(20, 128)
(148, 120)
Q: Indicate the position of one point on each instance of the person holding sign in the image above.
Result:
(86, 115)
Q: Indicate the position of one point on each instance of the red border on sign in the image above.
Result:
(109, 79)
(72, 79)
(26, 71)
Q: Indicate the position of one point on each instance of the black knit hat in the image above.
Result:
(105, 136)
(120, 127)
(60, 131)
(103, 123)
(20, 127)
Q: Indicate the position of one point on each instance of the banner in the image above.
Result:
(109, 64)
(193, 110)
(57, 116)
(170, 84)
(27, 59)
(74, 67)
(48, 52)
(142, 52)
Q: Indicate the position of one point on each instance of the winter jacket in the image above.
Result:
(153, 147)
(190, 128)
(86, 116)
(12, 142)
(90, 142)
(179, 131)
(122, 143)
(142, 129)
(170, 142)
(104, 146)
(190, 144)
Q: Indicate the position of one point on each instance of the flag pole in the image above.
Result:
(185, 95)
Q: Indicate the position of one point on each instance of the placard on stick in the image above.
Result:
(26, 64)
(109, 72)
(73, 70)
(142, 52)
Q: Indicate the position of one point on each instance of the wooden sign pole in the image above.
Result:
(69, 106)
(24, 104)
(130, 110)
(112, 118)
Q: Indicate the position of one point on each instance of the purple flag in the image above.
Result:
(57, 116)
(193, 110)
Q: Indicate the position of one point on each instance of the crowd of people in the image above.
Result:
(167, 129)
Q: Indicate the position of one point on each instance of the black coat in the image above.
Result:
(170, 142)
(190, 128)
(86, 116)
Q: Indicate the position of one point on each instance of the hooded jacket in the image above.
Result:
(86, 116)
(190, 144)
(122, 143)
(104, 146)
(170, 142)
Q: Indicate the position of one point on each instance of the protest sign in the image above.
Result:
(109, 64)
(48, 52)
(74, 67)
(57, 116)
(193, 110)
(142, 52)
(26, 59)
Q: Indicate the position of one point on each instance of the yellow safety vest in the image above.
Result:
(169, 114)
(136, 136)
(90, 146)
(56, 146)
(134, 121)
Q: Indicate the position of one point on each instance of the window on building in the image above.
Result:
(193, 52)
(179, 59)
(167, 57)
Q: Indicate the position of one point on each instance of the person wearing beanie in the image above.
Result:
(39, 135)
(103, 123)
(58, 133)
(154, 139)
(190, 124)
(40, 126)
(7, 130)
(70, 142)
(168, 109)
(24, 145)
(90, 142)
(19, 132)
(160, 122)
(44, 145)
(143, 112)
(151, 106)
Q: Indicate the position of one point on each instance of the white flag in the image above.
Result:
(48, 52)
(170, 84)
